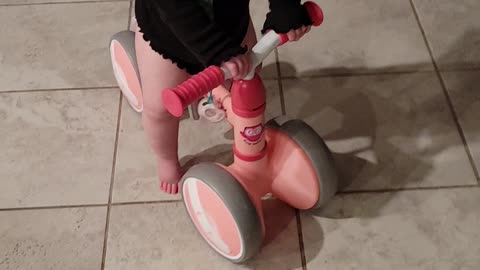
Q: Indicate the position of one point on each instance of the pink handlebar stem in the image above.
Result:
(177, 99)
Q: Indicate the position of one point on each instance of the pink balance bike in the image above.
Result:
(285, 158)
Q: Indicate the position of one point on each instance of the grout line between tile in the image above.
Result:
(458, 69)
(112, 178)
(60, 89)
(280, 76)
(280, 84)
(53, 207)
(87, 205)
(346, 192)
(356, 74)
(179, 200)
(376, 73)
(300, 240)
(146, 202)
(130, 7)
(60, 3)
(447, 95)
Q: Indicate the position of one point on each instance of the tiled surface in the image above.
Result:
(388, 131)
(435, 229)
(365, 36)
(392, 135)
(58, 46)
(464, 88)
(452, 29)
(162, 237)
(55, 239)
(135, 174)
(57, 147)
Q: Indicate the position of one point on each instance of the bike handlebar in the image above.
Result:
(177, 99)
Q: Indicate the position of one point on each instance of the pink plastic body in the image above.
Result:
(265, 160)
(269, 161)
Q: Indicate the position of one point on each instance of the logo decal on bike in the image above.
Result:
(253, 134)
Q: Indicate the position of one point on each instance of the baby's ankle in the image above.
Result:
(169, 171)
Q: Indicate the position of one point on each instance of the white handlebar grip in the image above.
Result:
(262, 49)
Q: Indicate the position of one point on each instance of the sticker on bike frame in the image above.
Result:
(253, 134)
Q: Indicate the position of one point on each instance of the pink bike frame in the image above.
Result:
(256, 165)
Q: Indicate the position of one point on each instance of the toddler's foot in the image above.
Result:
(169, 188)
(170, 175)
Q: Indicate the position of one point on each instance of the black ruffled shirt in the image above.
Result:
(199, 33)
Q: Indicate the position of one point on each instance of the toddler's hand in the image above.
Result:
(239, 66)
(296, 34)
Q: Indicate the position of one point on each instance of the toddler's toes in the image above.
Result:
(175, 189)
(169, 188)
(162, 186)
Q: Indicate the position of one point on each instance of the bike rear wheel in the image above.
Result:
(125, 69)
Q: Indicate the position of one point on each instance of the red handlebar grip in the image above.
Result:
(177, 99)
(316, 16)
(315, 13)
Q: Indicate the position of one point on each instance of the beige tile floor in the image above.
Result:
(393, 86)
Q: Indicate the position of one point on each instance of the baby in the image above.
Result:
(176, 39)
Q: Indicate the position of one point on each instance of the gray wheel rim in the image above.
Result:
(236, 200)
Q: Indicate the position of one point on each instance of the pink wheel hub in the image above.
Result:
(213, 219)
(126, 76)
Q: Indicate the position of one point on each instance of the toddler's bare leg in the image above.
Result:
(160, 127)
